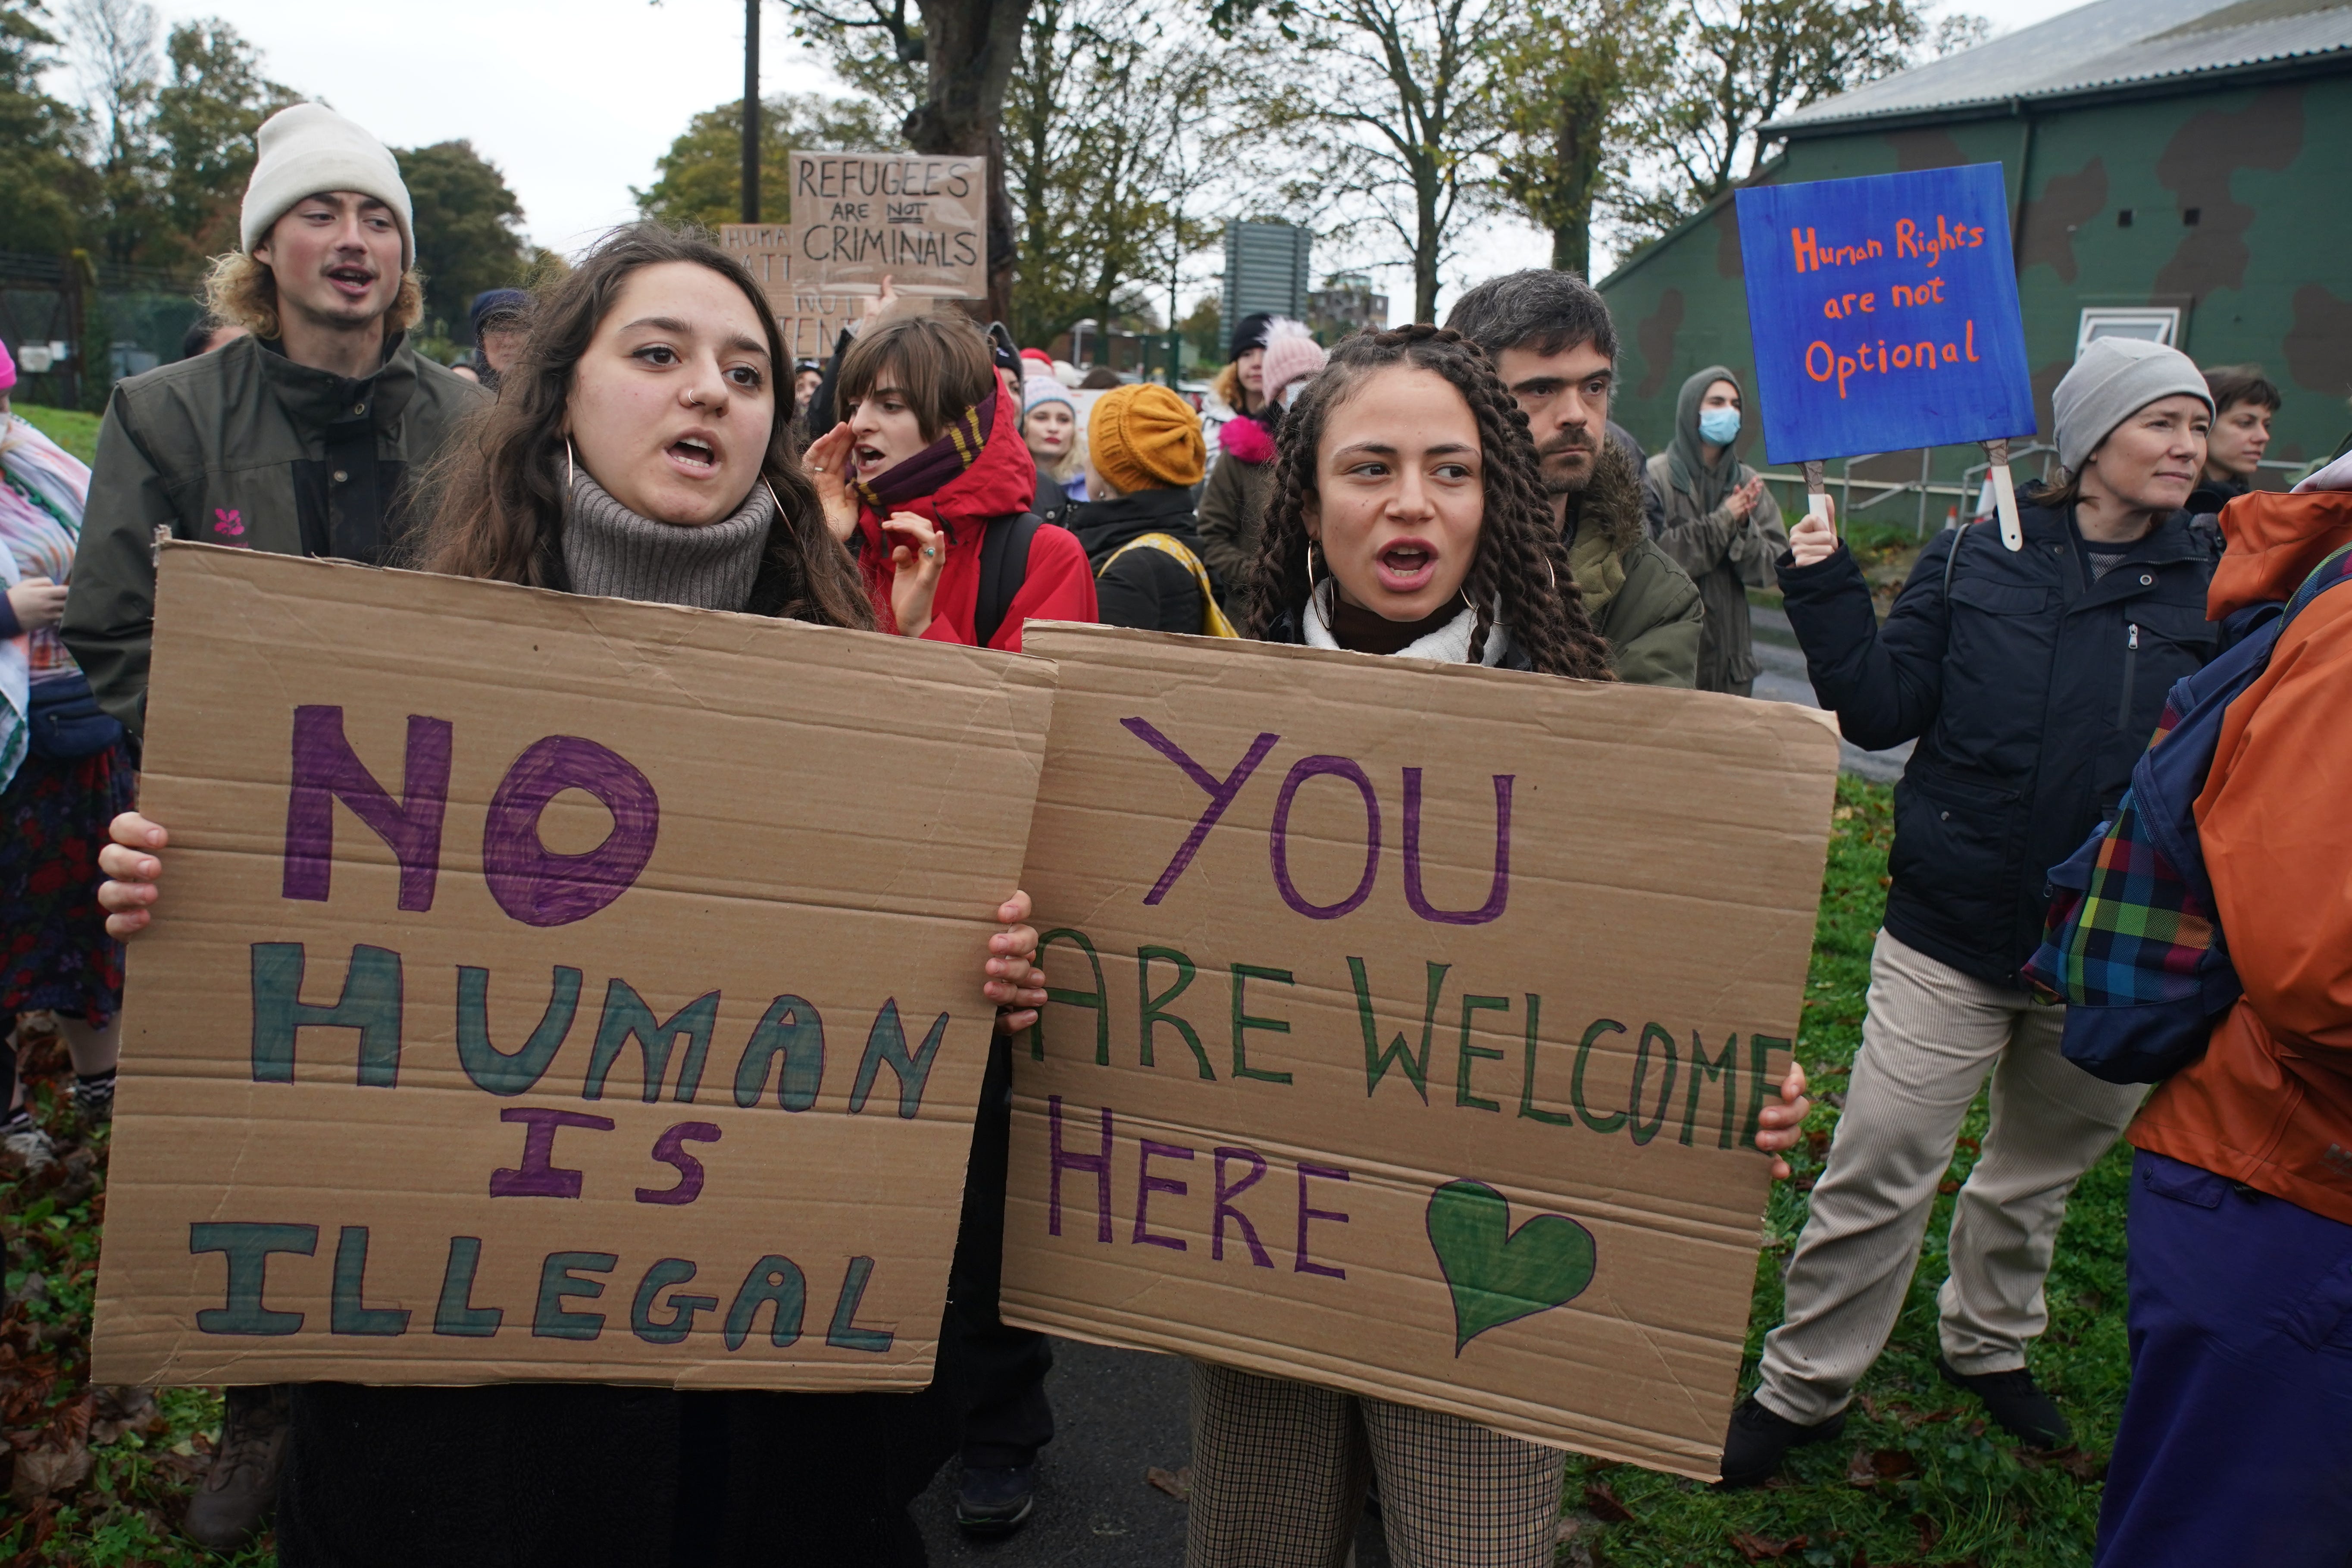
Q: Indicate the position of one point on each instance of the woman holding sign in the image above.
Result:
(2031, 680)
(640, 450)
(1408, 516)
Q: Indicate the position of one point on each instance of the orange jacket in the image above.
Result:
(2270, 1103)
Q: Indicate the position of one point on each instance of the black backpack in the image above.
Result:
(1003, 567)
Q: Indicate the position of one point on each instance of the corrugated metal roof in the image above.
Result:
(2109, 44)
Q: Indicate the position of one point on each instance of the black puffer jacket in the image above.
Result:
(1148, 588)
(2032, 693)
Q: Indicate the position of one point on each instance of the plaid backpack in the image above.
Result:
(2133, 944)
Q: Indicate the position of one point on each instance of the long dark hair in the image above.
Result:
(499, 487)
(1522, 560)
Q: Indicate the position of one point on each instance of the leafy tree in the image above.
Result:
(204, 126)
(1568, 77)
(468, 225)
(44, 185)
(1733, 67)
(115, 44)
(1094, 136)
(1393, 105)
(1204, 328)
(700, 178)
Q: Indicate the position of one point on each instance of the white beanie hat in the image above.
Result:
(307, 149)
(2115, 379)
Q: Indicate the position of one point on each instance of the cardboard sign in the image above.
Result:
(551, 987)
(919, 220)
(1410, 1024)
(812, 318)
(1883, 313)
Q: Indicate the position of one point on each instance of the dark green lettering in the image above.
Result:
(248, 1247)
(558, 1284)
(1243, 1023)
(1644, 1131)
(1376, 1062)
(370, 1002)
(1155, 1008)
(627, 1016)
(886, 1042)
(1462, 1095)
(511, 1073)
(1616, 1119)
(663, 1274)
(1098, 998)
(1760, 1054)
(773, 1278)
(791, 1029)
(457, 1316)
(351, 1313)
(1725, 1067)
(845, 1335)
(1527, 1074)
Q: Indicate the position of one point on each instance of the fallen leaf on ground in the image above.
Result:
(1176, 1483)
(1761, 1549)
(45, 1469)
(117, 1409)
(1604, 1504)
(1871, 1466)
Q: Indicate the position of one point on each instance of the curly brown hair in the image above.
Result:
(499, 485)
(1521, 561)
(240, 289)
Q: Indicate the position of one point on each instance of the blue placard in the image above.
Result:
(1883, 313)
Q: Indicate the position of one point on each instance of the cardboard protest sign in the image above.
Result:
(919, 220)
(812, 318)
(1883, 315)
(551, 987)
(1410, 1024)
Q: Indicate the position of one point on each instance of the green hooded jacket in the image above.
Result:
(1646, 606)
(244, 448)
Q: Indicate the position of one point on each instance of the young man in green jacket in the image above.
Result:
(304, 438)
(1553, 341)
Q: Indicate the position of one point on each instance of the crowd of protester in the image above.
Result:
(929, 480)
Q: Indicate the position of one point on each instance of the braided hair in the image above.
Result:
(1522, 560)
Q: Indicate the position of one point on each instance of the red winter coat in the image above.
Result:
(1000, 482)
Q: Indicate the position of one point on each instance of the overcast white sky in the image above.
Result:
(574, 100)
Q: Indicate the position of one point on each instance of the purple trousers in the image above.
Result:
(2236, 1443)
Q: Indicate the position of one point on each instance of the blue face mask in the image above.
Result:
(1717, 427)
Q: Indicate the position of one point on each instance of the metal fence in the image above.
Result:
(76, 326)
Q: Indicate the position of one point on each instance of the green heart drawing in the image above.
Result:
(1497, 1274)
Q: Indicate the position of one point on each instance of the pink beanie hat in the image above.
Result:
(1291, 352)
(8, 369)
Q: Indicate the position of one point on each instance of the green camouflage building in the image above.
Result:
(2177, 169)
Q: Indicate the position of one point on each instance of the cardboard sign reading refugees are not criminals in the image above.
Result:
(1410, 1028)
(551, 987)
(1883, 313)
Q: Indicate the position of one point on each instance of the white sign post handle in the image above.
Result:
(2004, 494)
(1817, 491)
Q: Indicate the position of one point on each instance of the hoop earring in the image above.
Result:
(772, 496)
(567, 463)
(1310, 566)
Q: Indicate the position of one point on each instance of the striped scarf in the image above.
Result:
(930, 470)
(43, 488)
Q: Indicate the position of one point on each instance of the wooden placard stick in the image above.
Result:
(1817, 491)
(2004, 493)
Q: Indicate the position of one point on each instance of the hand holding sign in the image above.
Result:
(1814, 539)
(1884, 314)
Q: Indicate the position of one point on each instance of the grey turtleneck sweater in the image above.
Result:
(615, 553)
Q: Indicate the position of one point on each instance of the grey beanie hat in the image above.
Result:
(308, 148)
(2115, 379)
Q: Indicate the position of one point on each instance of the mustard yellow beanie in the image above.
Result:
(1145, 438)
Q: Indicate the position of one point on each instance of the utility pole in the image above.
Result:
(751, 111)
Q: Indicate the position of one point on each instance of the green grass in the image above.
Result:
(1936, 1489)
(1918, 1478)
(75, 431)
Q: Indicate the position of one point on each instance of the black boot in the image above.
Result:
(2016, 1404)
(995, 1500)
(1759, 1439)
(242, 1488)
